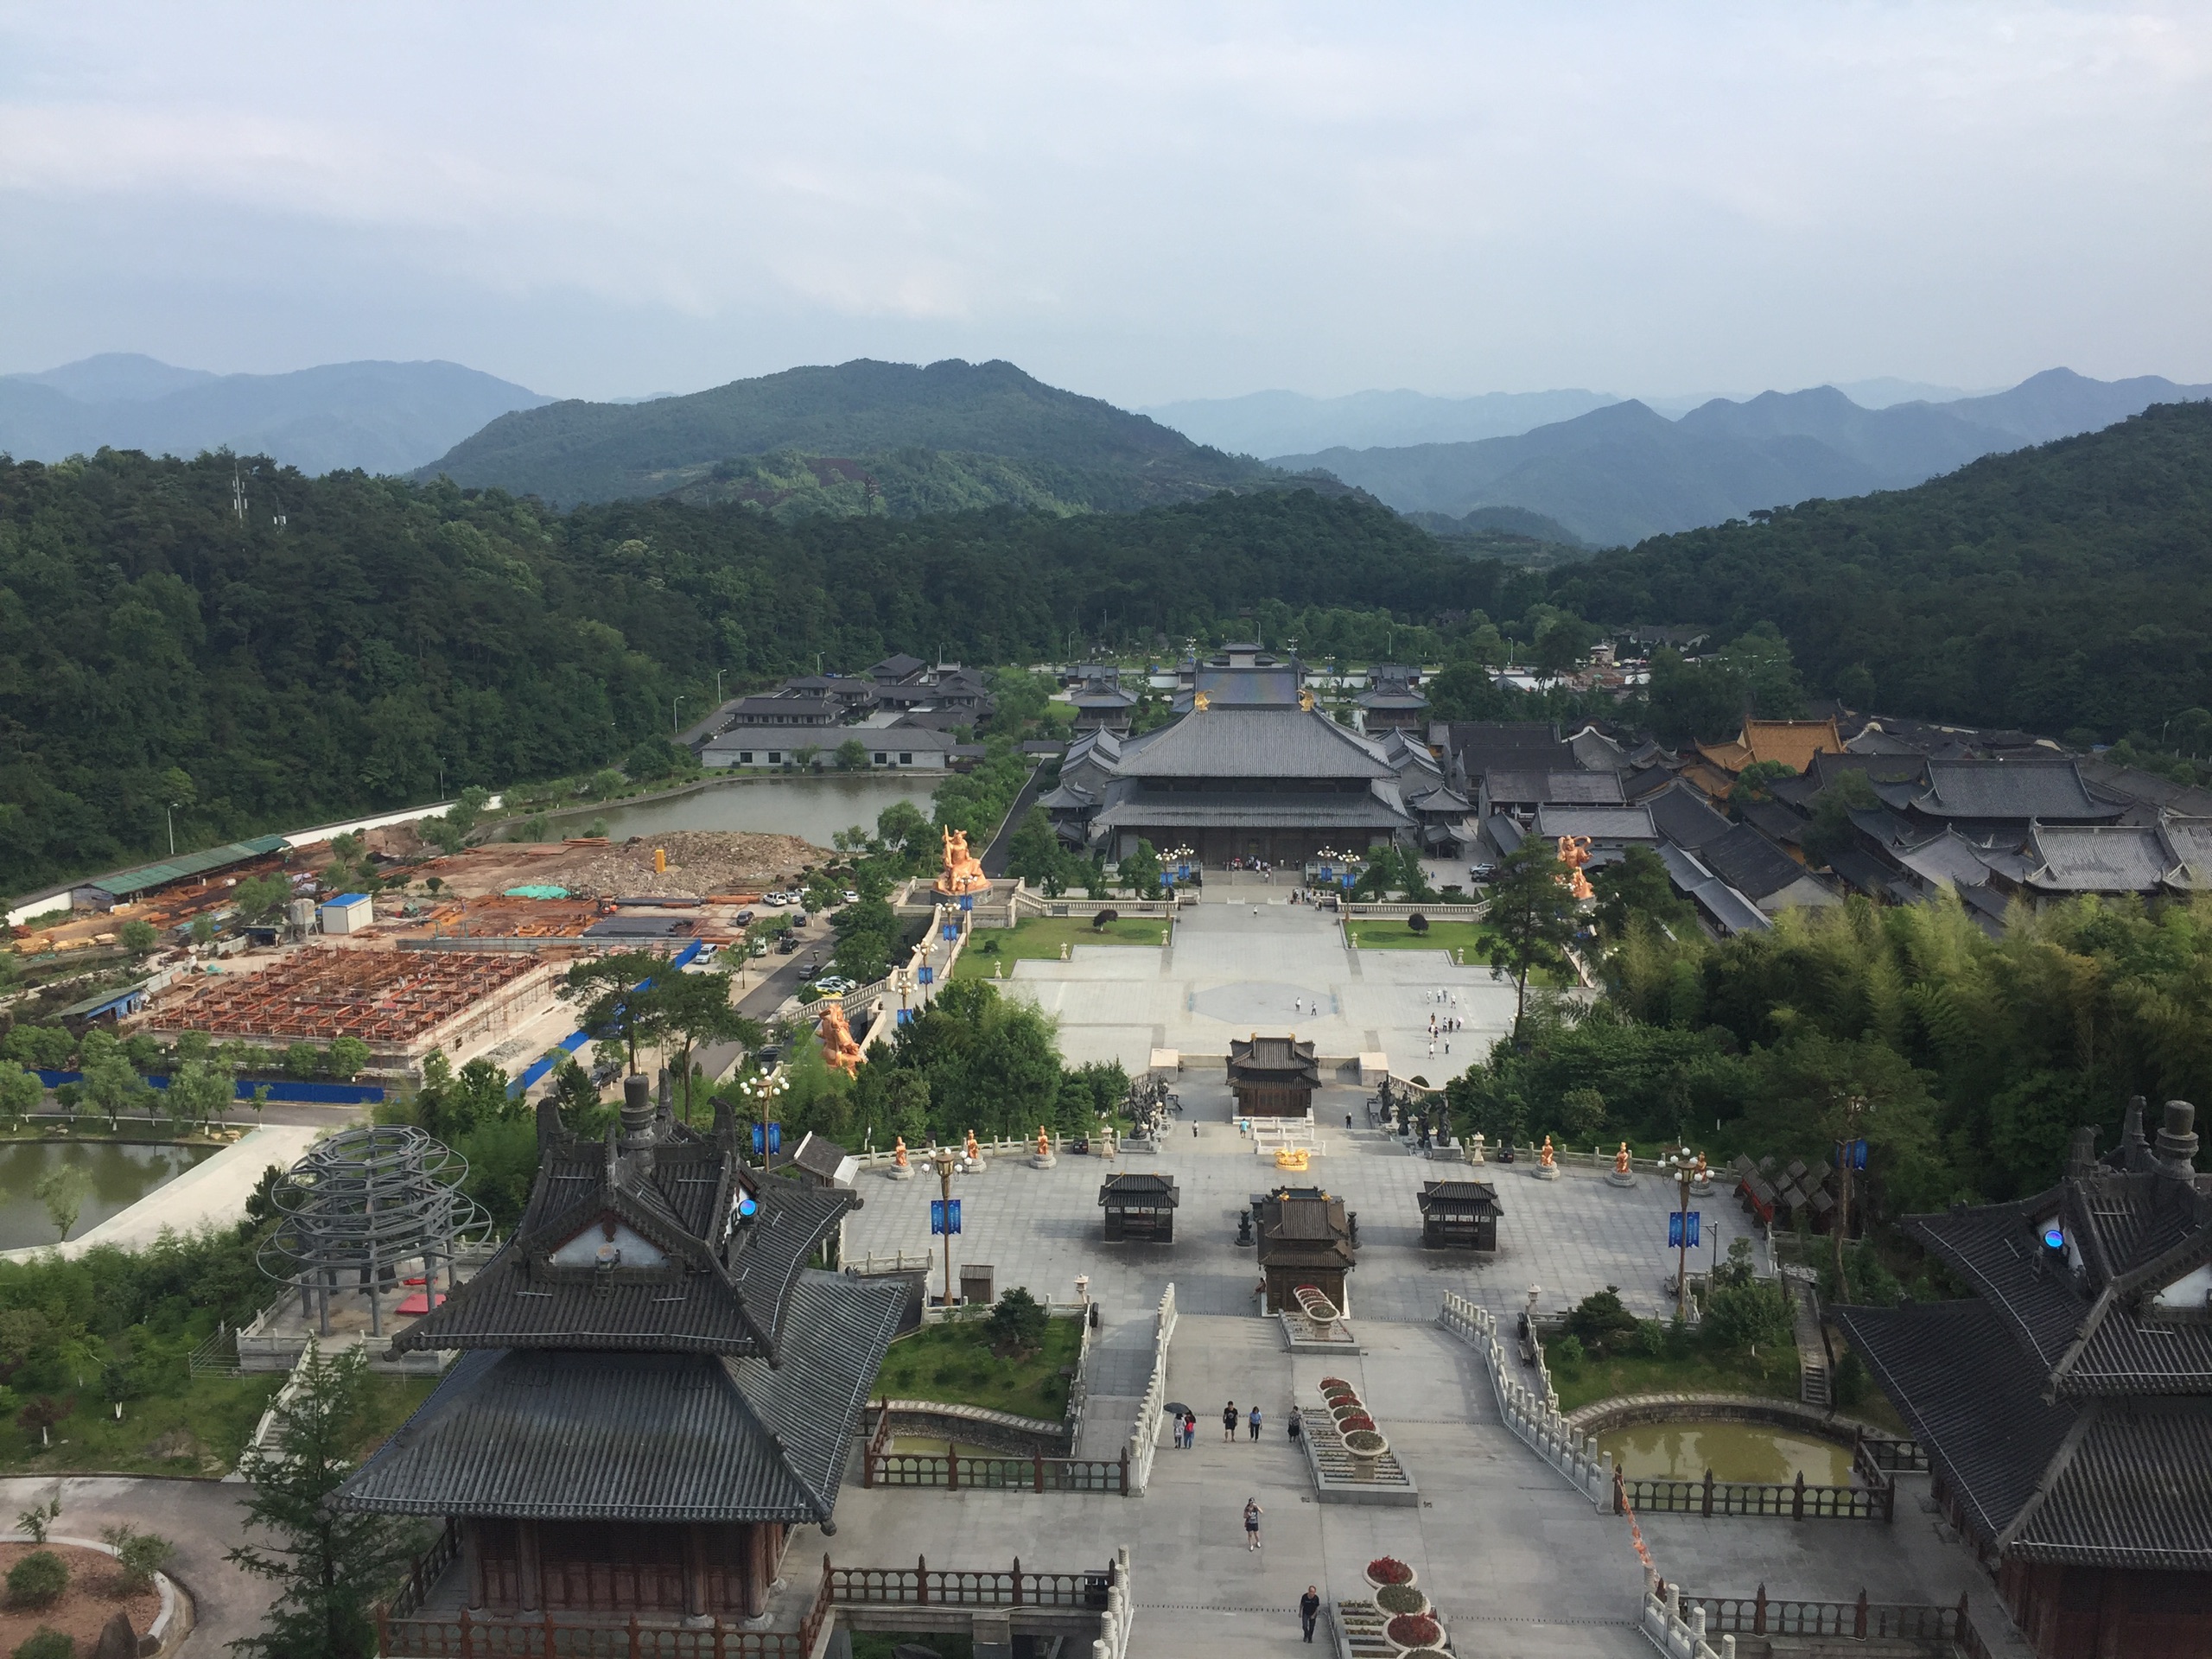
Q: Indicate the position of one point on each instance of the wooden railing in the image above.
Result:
(429, 1567)
(954, 1473)
(1759, 1615)
(923, 1585)
(1894, 1456)
(549, 1636)
(1796, 1501)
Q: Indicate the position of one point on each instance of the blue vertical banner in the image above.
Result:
(967, 901)
(1683, 1229)
(951, 933)
(944, 1216)
(928, 975)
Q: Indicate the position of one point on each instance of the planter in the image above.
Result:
(1330, 1383)
(1349, 1408)
(1388, 1569)
(1357, 1420)
(1396, 1598)
(1413, 1630)
(1366, 1445)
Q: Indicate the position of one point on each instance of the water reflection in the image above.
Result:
(1732, 1450)
(120, 1176)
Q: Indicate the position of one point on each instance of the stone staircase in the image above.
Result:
(1815, 1385)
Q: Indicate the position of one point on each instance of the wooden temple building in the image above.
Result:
(1305, 1238)
(2067, 1406)
(1273, 1077)
(1139, 1206)
(1459, 1215)
(652, 1390)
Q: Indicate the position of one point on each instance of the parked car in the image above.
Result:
(801, 919)
(1482, 872)
(850, 897)
(812, 967)
(833, 984)
(744, 919)
(786, 945)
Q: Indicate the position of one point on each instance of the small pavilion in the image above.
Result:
(1139, 1206)
(1305, 1238)
(1459, 1215)
(1273, 1077)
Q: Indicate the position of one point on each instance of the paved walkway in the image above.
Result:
(1248, 960)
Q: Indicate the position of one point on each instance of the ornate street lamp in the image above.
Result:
(1684, 1165)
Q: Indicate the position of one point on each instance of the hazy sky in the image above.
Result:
(1142, 202)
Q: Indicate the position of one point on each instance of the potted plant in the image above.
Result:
(1415, 1631)
(1396, 1598)
(1357, 1420)
(1366, 1446)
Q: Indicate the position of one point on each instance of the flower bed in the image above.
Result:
(96, 1592)
(1366, 1443)
(1329, 1383)
(1413, 1630)
(1388, 1569)
(1352, 1419)
(1396, 1598)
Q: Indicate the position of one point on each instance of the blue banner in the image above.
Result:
(1852, 1151)
(928, 975)
(967, 901)
(1681, 1222)
(944, 1216)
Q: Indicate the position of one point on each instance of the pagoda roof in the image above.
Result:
(1270, 743)
(1272, 1057)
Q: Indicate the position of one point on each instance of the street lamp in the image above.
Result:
(674, 724)
(1851, 1152)
(763, 1090)
(1683, 1167)
(718, 684)
(168, 813)
(946, 1165)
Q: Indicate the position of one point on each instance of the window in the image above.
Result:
(775, 757)
(906, 759)
(882, 760)
(745, 757)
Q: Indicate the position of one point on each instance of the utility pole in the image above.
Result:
(1854, 1107)
(674, 724)
(169, 813)
(718, 685)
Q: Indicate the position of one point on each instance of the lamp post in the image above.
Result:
(1680, 1163)
(764, 1090)
(168, 813)
(1854, 1107)
(674, 724)
(944, 1168)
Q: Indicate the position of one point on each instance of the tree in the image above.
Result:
(1532, 917)
(1756, 782)
(198, 1093)
(1034, 853)
(451, 1103)
(449, 830)
(203, 931)
(138, 937)
(21, 1093)
(901, 827)
(260, 897)
(111, 1087)
(613, 1011)
(328, 1565)
(1017, 1324)
(1637, 885)
(63, 1190)
(852, 755)
(347, 1058)
(1139, 871)
(695, 1008)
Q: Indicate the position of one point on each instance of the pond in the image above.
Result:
(1747, 1452)
(815, 808)
(119, 1175)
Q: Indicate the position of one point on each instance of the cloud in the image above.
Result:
(1146, 200)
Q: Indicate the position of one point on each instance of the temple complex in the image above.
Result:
(652, 1388)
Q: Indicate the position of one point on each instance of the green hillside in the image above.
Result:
(1088, 453)
(329, 650)
(2064, 588)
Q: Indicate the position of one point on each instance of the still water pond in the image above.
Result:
(815, 808)
(1732, 1450)
(119, 1177)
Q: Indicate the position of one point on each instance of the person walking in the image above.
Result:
(1252, 1514)
(1228, 1421)
(1293, 1429)
(1309, 1609)
(1256, 1423)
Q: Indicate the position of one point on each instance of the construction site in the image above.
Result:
(400, 1003)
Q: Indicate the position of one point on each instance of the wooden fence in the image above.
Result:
(1795, 1501)
(1761, 1615)
(923, 1585)
(954, 1473)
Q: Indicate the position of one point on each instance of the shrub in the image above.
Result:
(1650, 1338)
(1602, 1323)
(46, 1642)
(38, 1580)
(1413, 1630)
(1740, 1316)
(1417, 922)
(1566, 1353)
(1850, 1379)
(141, 1554)
(1017, 1323)
(1105, 919)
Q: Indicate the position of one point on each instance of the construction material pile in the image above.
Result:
(702, 864)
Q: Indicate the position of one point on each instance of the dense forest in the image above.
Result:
(2061, 590)
(347, 643)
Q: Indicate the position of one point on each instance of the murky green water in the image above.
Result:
(815, 808)
(1732, 1450)
(119, 1177)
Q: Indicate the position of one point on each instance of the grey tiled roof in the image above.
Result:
(2098, 858)
(2049, 790)
(1150, 1189)
(643, 1437)
(1137, 809)
(1751, 863)
(1270, 743)
(1598, 822)
(1684, 817)
(1575, 788)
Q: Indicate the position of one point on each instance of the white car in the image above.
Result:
(833, 984)
(851, 898)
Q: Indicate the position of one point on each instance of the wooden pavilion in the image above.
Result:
(1273, 1077)
(1139, 1206)
(1305, 1238)
(1459, 1215)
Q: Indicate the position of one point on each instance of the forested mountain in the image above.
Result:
(381, 417)
(155, 645)
(2063, 588)
(1624, 472)
(1278, 423)
(862, 413)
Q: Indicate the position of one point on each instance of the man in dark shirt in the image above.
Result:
(1309, 1609)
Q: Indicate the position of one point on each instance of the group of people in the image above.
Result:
(1185, 1430)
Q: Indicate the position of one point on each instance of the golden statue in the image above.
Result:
(1043, 1142)
(899, 1152)
(1292, 1158)
(1700, 1175)
(1574, 852)
(838, 1048)
(1200, 702)
(971, 1151)
(1620, 1160)
(963, 873)
(1305, 698)
(1548, 1158)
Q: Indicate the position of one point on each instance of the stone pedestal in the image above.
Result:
(1545, 1172)
(1042, 1161)
(1620, 1178)
(899, 1172)
(1702, 1189)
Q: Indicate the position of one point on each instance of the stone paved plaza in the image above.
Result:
(1247, 959)
(1519, 1564)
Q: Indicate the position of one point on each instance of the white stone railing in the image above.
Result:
(1144, 1438)
(1378, 912)
(1664, 1625)
(1534, 1417)
(1113, 1641)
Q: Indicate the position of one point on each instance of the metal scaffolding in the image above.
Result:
(380, 996)
(361, 1205)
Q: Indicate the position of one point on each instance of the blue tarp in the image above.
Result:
(319, 1094)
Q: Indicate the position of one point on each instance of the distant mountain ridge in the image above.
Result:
(1274, 422)
(575, 452)
(1622, 472)
(381, 417)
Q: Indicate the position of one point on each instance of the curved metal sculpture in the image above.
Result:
(358, 1207)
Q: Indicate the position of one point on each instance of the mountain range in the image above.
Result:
(1624, 472)
(381, 417)
(951, 434)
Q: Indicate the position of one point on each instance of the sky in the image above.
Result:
(1142, 202)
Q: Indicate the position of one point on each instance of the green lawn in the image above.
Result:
(1039, 939)
(1472, 937)
(880, 1644)
(1773, 1374)
(954, 1362)
(199, 1431)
